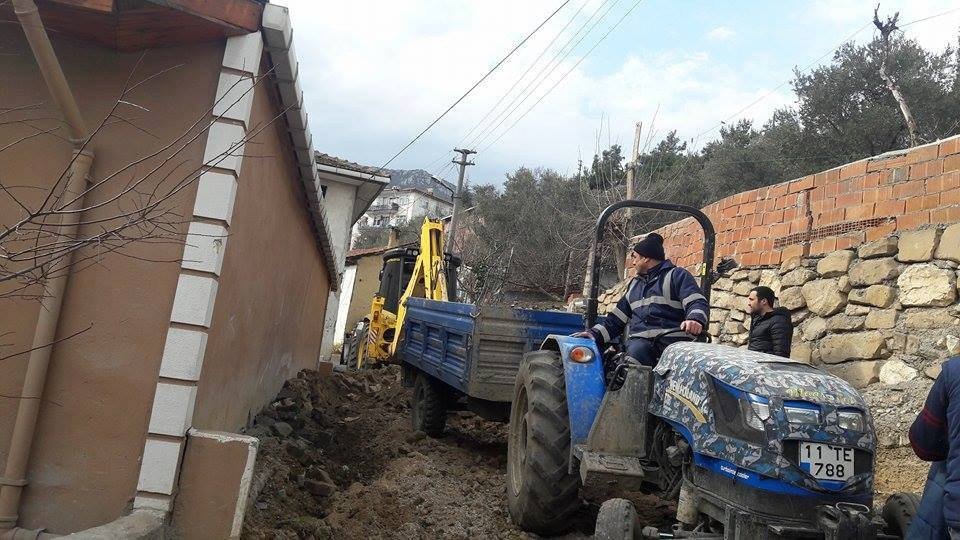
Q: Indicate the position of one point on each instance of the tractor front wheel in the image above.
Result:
(617, 520)
(542, 493)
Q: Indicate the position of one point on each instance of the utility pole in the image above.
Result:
(463, 163)
(632, 167)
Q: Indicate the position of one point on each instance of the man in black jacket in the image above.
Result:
(771, 330)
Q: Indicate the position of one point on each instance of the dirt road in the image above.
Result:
(338, 459)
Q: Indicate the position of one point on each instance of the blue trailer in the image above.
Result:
(463, 356)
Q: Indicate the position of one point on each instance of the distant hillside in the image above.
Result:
(421, 179)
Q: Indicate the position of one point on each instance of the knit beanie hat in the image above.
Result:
(651, 246)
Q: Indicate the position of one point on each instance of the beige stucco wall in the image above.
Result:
(366, 284)
(268, 319)
(85, 463)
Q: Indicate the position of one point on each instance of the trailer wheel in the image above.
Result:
(617, 520)
(898, 512)
(542, 493)
(429, 411)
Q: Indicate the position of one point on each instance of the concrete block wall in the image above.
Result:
(836, 209)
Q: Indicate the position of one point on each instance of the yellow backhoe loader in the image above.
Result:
(425, 272)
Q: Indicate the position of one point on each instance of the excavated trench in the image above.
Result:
(338, 459)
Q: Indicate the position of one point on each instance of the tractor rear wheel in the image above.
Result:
(429, 411)
(542, 493)
(617, 520)
(898, 512)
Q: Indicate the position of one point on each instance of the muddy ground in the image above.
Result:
(338, 459)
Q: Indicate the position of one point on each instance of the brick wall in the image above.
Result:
(835, 209)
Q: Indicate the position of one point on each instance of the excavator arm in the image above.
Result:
(428, 280)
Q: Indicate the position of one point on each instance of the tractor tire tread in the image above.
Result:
(550, 493)
(434, 418)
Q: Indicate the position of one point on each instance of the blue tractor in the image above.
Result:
(749, 445)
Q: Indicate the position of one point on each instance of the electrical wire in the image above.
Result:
(582, 58)
(472, 88)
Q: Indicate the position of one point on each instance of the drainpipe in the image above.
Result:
(14, 474)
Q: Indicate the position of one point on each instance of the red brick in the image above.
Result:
(881, 231)
(817, 194)
(775, 257)
(844, 187)
(923, 153)
(749, 196)
(913, 204)
(779, 229)
(778, 190)
(850, 199)
(934, 167)
(829, 244)
(930, 201)
(908, 222)
(913, 188)
(918, 171)
(889, 208)
(790, 214)
(948, 198)
(858, 168)
(822, 206)
(775, 216)
(949, 146)
(729, 211)
(747, 208)
(750, 259)
(871, 195)
(785, 202)
(951, 180)
(795, 250)
(949, 214)
(935, 185)
(820, 179)
(832, 190)
(871, 180)
(845, 242)
(832, 216)
(803, 183)
(799, 226)
(833, 176)
(951, 163)
(863, 211)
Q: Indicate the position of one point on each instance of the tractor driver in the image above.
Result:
(663, 305)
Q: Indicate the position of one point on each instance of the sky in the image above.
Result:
(376, 73)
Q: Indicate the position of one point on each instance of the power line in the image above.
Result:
(536, 78)
(930, 17)
(510, 90)
(472, 88)
(582, 58)
(540, 78)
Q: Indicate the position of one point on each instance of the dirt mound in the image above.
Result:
(338, 459)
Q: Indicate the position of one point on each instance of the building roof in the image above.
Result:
(422, 192)
(370, 181)
(355, 254)
(132, 26)
(340, 163)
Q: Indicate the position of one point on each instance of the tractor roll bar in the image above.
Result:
(709, 243)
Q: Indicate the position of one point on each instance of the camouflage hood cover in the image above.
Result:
(682, 395)
(763, 374)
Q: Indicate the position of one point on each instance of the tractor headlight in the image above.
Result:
(852, 420)
(754, 411)
(581, 355)
(802, 415)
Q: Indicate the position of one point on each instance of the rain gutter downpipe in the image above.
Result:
(14, 477)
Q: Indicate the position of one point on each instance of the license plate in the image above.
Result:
(826, 462)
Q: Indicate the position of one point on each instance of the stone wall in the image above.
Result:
(883, 316)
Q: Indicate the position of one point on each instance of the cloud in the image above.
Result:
(375, 75)
(720, 33)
